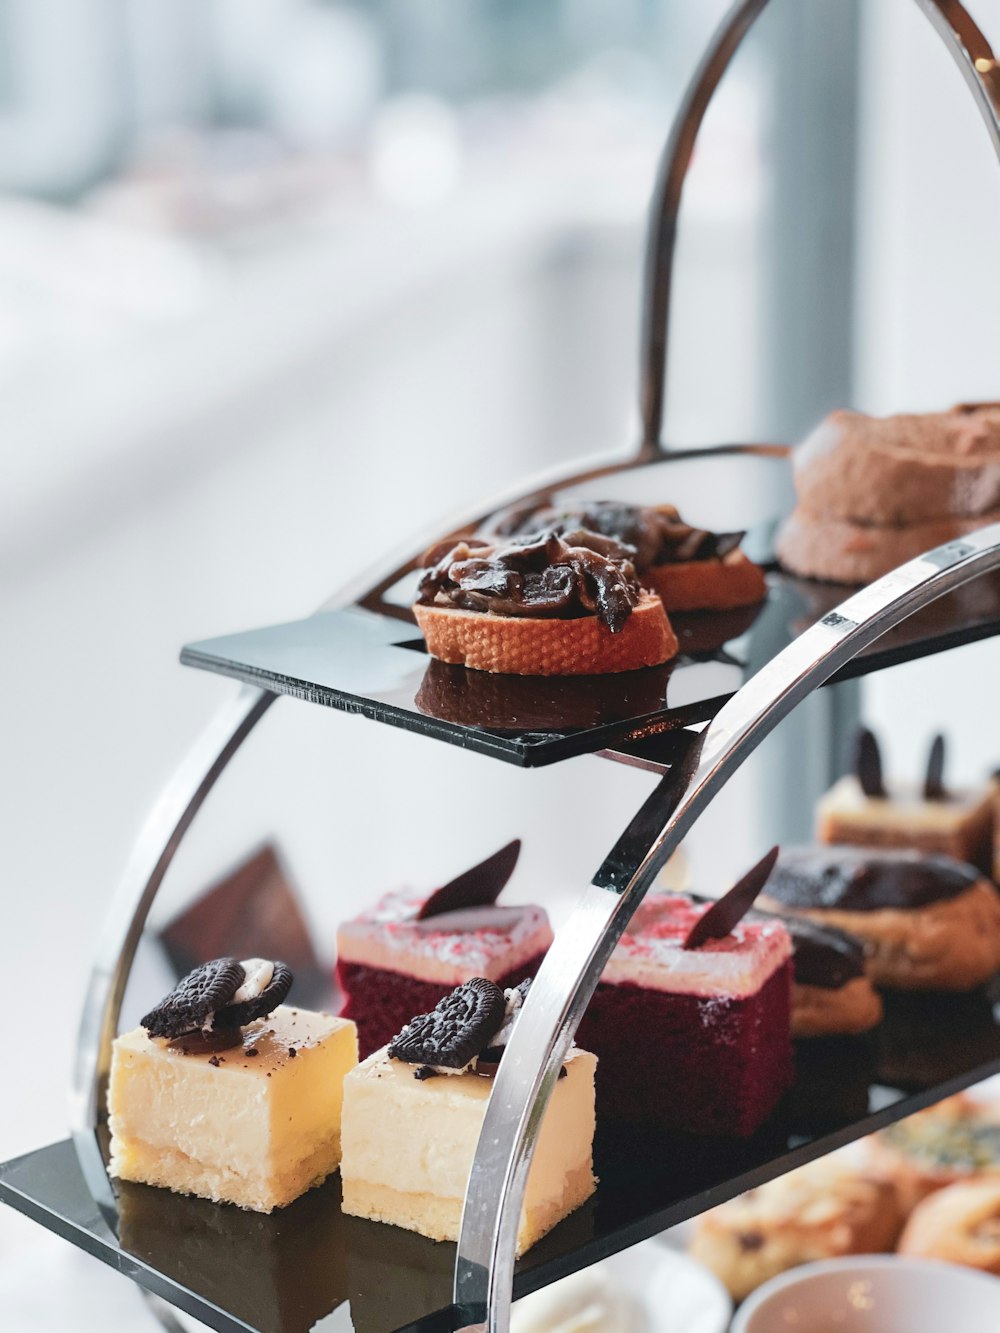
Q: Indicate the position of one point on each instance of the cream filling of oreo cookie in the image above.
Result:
(257, 976)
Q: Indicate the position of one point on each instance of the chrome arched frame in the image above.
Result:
(968, 47)
(484, 1268)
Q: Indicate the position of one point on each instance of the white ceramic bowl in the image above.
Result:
(878, 1293)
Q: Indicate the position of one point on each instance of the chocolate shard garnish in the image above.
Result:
(934, 788)
(479, 887)
(868, 763)
(732, 907)
(195, 998)
(457, 1029)
(273, 994)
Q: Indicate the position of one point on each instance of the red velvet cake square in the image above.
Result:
(699, 1039)
(392, 965)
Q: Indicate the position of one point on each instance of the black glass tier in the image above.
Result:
(376, 665)
(285, 1273)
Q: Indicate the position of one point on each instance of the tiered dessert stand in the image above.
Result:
(362, 653)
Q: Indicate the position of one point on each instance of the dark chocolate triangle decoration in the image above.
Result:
(868, 763)
(479, 887)
(732, 907)
(934, 789)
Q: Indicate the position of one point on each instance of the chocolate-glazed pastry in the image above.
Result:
(927, 922)
(864, 809)
(689, 568)
(855, 879)
(552, 606)
(832, 994)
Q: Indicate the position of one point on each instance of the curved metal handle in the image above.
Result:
(969, 49)
(572, 968)
(143, 875)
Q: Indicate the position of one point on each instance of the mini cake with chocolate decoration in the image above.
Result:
(227, 1093)
(690, 1021)
(864, 810)
(413, 1112)
(927, 922)
(569, 605)
(411, 949)
(689, 569)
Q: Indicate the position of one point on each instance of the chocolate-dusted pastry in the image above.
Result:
(689, 568)
(832, 994)
(554, 605)
(874, 492)
(863, 808)
(927, 922)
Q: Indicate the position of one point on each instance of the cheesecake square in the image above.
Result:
(692, 1039)
(393, 963)
(255, 1125)
(958, 824)
(409, 1143)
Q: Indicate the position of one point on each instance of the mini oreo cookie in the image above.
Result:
(195, 998)
(273, 994)
(457, 1029)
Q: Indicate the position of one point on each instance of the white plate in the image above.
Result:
(672, 1293)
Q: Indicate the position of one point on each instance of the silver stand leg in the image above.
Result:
(572, 968)
(143, 875)
(969, 49)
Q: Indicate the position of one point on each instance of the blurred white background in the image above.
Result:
(281, 281)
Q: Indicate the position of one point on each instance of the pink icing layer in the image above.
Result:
(450, 948)
(649, 954)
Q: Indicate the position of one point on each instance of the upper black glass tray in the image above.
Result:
(376, 664)
(284, 1273)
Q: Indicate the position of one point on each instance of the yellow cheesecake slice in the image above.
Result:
(256, 1125)
(409, 1144)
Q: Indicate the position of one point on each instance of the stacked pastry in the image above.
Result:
(876, 491)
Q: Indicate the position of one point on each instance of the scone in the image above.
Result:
(821, 1211)
(545, 607)
(959, 1224)
(874, 492)
(690, 569)
(956, 1140)
(927, 922)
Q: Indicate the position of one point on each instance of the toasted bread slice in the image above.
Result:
(708, 585)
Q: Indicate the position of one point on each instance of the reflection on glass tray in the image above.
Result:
(376, 665)
(283, 1273)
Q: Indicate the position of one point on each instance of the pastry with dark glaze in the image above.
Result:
(832, 994)
(865, 809)
(552, 605)
(927, 922)
(689, 568)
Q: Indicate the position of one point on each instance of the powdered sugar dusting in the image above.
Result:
(450, 947)
(651, 952)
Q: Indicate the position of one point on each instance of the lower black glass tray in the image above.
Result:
(287, 1272)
